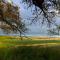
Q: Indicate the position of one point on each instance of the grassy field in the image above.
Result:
(38, 48)
(15, 41)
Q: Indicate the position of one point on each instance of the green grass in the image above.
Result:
(30, 53)
(10, 51)
(13, 42)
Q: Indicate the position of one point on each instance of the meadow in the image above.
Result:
(12, 48)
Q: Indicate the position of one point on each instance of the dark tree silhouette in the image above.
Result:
(38, 3)
(44, 7)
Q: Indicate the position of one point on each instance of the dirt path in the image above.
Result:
(44, 45)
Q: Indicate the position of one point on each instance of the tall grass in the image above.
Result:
(30, 53)
(11, 49)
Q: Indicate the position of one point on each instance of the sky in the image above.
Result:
(34, 29)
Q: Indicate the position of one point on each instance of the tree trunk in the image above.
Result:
(21, 36)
